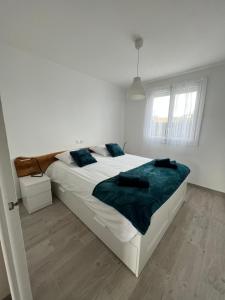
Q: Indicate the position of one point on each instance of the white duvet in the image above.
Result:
(81, 182)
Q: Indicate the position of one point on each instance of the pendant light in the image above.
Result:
(136, 90)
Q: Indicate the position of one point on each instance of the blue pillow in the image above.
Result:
(114, 149)
(83, 157)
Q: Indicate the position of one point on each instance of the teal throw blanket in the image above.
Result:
(139, 204)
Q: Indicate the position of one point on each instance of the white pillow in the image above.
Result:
(65, 157)
(100, 149)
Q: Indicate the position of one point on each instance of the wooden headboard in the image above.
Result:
(30, 165)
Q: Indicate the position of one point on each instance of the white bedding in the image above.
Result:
(81, 182)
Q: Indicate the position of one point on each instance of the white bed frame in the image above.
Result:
(135, 253)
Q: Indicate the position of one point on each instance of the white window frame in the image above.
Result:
(170, 90)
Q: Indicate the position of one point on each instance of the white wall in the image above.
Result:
(207, 161)
(48, 107)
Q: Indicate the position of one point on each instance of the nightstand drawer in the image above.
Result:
(31, 186)
(35, 189)
(37, 202)
(36, 192)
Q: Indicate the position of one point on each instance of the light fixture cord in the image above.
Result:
(138, 64)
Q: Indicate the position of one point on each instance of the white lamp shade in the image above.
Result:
(136, 91)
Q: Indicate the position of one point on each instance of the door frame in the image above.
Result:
(11, 235)
(7, 254)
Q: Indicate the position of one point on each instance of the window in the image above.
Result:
(173, 114)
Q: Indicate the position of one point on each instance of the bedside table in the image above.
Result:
(36, 192)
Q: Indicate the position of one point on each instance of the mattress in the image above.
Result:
(82, 181)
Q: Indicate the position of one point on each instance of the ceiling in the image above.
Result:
(95, 36)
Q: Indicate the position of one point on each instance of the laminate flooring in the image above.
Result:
(67, 261)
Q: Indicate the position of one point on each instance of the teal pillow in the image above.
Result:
(114, 149)
(83, 157)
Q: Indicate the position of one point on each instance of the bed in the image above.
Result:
(74, 186)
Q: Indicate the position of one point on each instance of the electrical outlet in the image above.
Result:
(79, 141)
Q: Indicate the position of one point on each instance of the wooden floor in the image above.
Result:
(67, 261)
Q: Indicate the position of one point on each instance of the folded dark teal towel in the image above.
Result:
(125, 179)
(166, 163)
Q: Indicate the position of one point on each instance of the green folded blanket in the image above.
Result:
(125, 179)
(165, 163)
